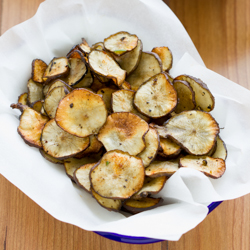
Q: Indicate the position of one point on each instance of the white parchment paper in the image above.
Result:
(56, 27)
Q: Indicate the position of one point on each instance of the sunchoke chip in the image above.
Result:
(185, 95)
(52, 100)
(81, 113)
(156, 97)
(212, 167)
(35, 91)
(31, 125)
(81, 176)
(151, 186)
(130, 60)
(38, 69)
(143, 204)
(120, 43)
(109, 204)
(162, 168)
(118, 175)
(195, 131)
(203, 97)
(103, 64)
(149, 65)
(60, 144)
(152, 145)
(166, 57)
(124, 131)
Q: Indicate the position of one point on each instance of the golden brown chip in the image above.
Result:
(148, 66)
(212, 167)
(123, 101)
(38, 69)
(135, 206)
(104, 65)
(60, 144)
(156, 97)
(31, 125)
(203, 97)
(168, 148)
(221, 150)
(81, 113)
(77, 71)
(162, 168)
(23, 99)
(81, 176)
(195, 131)
(58, 67)
(186, 96)
(118, 175)
(151, 186)
(152, 145)
(35, 91)
(109, 204)
(124, 131)
(125, 85)
(166, 57)
(37, 106)
(84, 46)
(120, 43)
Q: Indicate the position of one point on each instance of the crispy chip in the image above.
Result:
(156, 97)
(166, 57)
(124, 131)
(60, 144)
(212, 167)
(118, 175)
(104, 65)
(81, 113)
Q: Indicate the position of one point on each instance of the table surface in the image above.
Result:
(220, 31)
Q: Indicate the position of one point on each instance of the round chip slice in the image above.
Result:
(221, 149)
(105, 65)
(81, 113)
(118, 175)
(60, 144)
(156, 97)
(194, 130)
(124, 131)
(152, 146)
(23, 99)
(120, 43)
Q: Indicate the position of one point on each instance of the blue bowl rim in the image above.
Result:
(143, 240)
